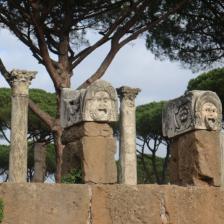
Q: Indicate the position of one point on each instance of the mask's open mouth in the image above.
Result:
(211, 120)
(102, 111)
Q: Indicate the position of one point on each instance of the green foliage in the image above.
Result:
(36, 128)
(4, 157)
(5, 107)
(146, 174)
(194, 35)
(152, 169)
(1, 210)
(212, 80)
(50, 158)
(74, 177)
(46, 101)
(149, 119)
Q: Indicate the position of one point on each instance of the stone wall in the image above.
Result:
(111, 204)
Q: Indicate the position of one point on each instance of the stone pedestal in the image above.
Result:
(20, 81)
(193, 122)
(195, 159)
(128, 161)
(91, 145)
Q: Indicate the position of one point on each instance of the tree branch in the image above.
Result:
(44, 49)
(83, 54)
(151, 25)
(102, 68)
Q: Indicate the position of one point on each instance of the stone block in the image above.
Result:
(44, 203)
(195, 159)
(91, 129)
(122, 204)
(96, 103)
(153, 204)
(98, 163)
(196, 110)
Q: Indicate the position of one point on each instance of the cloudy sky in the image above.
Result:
(134, 66)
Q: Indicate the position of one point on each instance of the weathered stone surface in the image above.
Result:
(20, 81)
(195, 159)
(111, 204)
(152, 204)
(96, 103)
(91, 144)
(195, 110)
(90, 129)
(222, 157)
(100, 102)
(120, 204)
(98, 164)
(71, 102)
(44, 203)
(128, 161)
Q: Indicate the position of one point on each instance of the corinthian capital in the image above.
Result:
(22, 76)
(20, 81)
(128, 94)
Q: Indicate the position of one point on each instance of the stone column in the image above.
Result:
(20, 81)
(128, 161)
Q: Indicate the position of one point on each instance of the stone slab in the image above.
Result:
(111, 204)
(153, 204)
(44, 203)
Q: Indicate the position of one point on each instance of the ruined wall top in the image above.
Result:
(96, 103)
(195, 110)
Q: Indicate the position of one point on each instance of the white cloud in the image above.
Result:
(133, 66)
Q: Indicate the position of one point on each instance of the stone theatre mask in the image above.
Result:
(100, 102)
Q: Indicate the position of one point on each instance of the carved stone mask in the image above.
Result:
(101, 106)
(209, 115)
(196, 110)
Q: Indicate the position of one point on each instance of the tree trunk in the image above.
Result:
(39, 162)
(58, 151)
